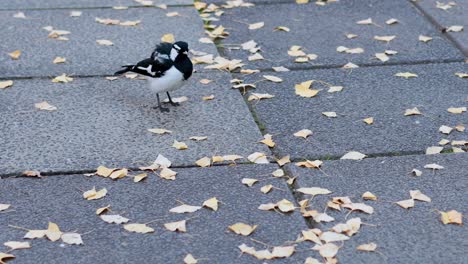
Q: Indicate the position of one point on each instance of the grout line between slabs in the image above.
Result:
(88, 8)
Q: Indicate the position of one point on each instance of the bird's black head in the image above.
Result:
(181, 47)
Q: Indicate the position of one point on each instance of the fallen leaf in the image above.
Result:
(283, 252)
(281, 28)
(451, 217)
(329, 114)
(284, 160)
(303, 89)
(198, 138)
(103, 209)
(75, 13)
(203, 162)
(278, 173)
(176, 226)
(313, 191)
(159, 131)
(456, 110)
(53, 232)
(353, 155)
(72, 238)
(328, 250)
(418, 195)
(19, 15)
(242, 229)
(138, 228)
(15, 54)
(359, 207)
(184, 209)
(211, 203)
(462, 74)
(304, 133)
(256, 25)
(309, 235)
(350, 65)
(310, 164)
(273, 78)
(32, 234)
(172, 14)
(382, 57)
(205, 81)
(189, 259)
(385, 38)
(424, 39)
(267, 140)
(406, 203)
(45, 106)
(367, 21)
(285, 206)
(248, 181)
(266, 189)
(114, 219)
(118, 174)
(328, 237)
(369, 120)
(258, 158)
(167, 174)
(433, 166)
(445, 129)
(391, 21)
(6, 84)
(455, 28)
(14, 245)
(104, 42)
(31, 173)
(94, 195)
(412, 111)
(255, 57)
(140, 177)
(434, 150)
(4, 207)
(62, 79)
(179, 145)
(406, 75)
(367, 247)
(58, 60)
(369, 196)
(416, 172)
(259, 96)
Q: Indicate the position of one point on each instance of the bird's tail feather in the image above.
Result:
(126, 69)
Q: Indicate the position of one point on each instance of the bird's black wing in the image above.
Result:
(149, 67)
(163, 48)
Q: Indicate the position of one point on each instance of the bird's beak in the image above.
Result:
(185, 52)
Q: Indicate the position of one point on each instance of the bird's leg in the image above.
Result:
(170, 100)
(162, 109)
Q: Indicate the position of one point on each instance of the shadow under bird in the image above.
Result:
(168, 69)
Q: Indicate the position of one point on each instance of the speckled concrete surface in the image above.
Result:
(66, 4)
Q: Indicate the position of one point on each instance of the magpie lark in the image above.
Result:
(168, 69)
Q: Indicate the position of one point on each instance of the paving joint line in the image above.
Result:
(439, 27)
(89, 8)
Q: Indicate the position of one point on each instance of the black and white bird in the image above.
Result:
(168, 69)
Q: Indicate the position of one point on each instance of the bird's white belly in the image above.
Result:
(170, 81)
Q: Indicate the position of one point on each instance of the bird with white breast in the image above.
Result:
(168, 69)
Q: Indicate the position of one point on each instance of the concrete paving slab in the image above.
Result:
(105, 122)
(414, 235)
(58, 199)
(454, 15)
(31, 4)
(367, 92)
(321, 30)
(84, 56)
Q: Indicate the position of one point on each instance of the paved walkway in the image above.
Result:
(351, 52)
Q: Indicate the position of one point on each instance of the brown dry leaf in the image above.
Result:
(367, 247)
(14, 245)
(203, 162)
(304, 133)
(211, 203)
(15, 54)
(303, 89)
(418, 195)
(256, 25)
(353, 155)
(72, 238)
(406, 75)
(104, 42)
(434, 150)
(62, 79)
(45, 106)
(451, 217)
(177, 226)
(114, 219)
(94, 195)
(58, 60)
(424, 39)
(6, 84)
(242, 229)
(53, 232)
(455, 28)
(313, 191)
(258, 158)
(179, 145)
(385, 38)
(259, 96)
(273, 78)
(103, 209)
(167, 174)
(185, 208)
(369, 196)
(189, 259)
(456, 110)
(369, 120)
(5, 256)
(159, 131)
(412, 111)
(328, 250)
(284, 160)
(406, 203)
(169, 38)
(140, 177)
(367, 21)
(268, 140)
(359, 207)
(138, 228)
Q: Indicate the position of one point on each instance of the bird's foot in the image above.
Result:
(174, 103)
(162, 109)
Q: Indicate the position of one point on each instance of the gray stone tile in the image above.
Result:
(321, 29)
(59, 199)
(368, 92)
(456, 15)
(31, 4)
(414, 235)
(104, 122)
(84, 56)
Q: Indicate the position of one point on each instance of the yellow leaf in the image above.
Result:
(424, 39)
(176, 226)
(328, 250)
(406, 203)
(266, 189)
(365, 22)
(329, 114)
(285, 206)
(303, 89)
(369, 120)
(208, 98)
(332, 237)
(15, 54)
(248, 181)
(310, 164)
(256, 25)
(211, 203)
(367, 247)
(58, 60)
(62, 79)
(140, 177)
(353, 155)
(259, 96)
(284, 160)
(369, 196)
(72, 238)
(45, 106)
(258, 158)
(138, 228)
(406, 75)
(385, 38)
(102, 210)
(159, 131)
(167, 174)
(434, 150)
(172, 14)
(6, 84)
(94, 195)
(283, 252)
(418, 195)
(242, 229)
(281, 28)
(456, 110)
(278, 173)
(313, 191)
(32, 234)
(304, 133)
(205, 81)
(451, 217)
(14, 245)
(179, 145)
(255, 57)
(104, 171)
(184, 209)
(53, 232)
(302, 1)
(359, 207)
(189, 259)
(104, 42)
(412, 111)
(118, 174)
(203, 162)
(382, 57)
